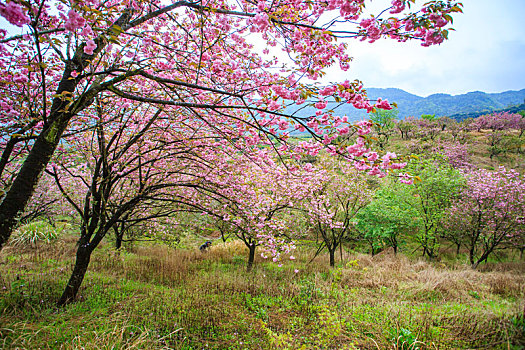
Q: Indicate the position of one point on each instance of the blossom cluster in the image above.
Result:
(14, 14)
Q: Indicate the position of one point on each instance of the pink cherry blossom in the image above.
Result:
(74, 21)
(14, 14)
(90, 47)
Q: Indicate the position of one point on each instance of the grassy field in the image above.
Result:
(155, 297)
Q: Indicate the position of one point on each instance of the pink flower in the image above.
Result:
(388, 156)
(406, 179)
(372, 156)
(409, 26)
(90, 47)
(397, 6)
(300, 127)
(283, 125)
(14, 14)
(383, 104)
(74, 21)
(296, 271)
(365, 23)
(261, 20)
(19, 78)
(321, 104)
(329, 90)
(274, 105)
(261, 5)
(374, 171)
(344, 130)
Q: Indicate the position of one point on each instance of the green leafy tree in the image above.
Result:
(384, 124)
(436, 185)
(440, 184)
(386, 220)
(430, 117)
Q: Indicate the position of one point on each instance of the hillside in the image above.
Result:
(471, 104)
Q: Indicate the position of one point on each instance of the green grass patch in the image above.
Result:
(162, 298)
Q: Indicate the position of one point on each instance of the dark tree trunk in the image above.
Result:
(118, 241)
(332, 256)
(27, 178)
(10, 145)
(458, 247)
(251, 257)
(79, 271)
(482, 258)
(372, 250)
(471, 256)
(119, 237)
(22, 188)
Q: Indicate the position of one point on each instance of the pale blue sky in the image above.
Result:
(485, 53)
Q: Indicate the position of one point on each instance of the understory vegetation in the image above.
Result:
(155, 297)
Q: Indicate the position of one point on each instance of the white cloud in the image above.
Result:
(484, 53)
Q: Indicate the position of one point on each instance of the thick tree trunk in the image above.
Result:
(118, 242)
(8, 150)
(79, 271)
(251, 257)
(482, 258)
(22, 188)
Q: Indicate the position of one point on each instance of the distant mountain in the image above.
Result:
(513, 109)
(476, 102)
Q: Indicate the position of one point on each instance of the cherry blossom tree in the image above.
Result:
(255, 199)
(405, 127)
(498, 124)
(427, 127)
(191, 57)
(459, 130)
(489, 212)
(332, 207)
(456, 153)
(113, 171)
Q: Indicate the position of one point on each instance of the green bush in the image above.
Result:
(35, 233)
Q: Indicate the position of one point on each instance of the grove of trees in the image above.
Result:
(120, 115)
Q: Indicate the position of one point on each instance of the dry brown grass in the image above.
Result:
(421, 278)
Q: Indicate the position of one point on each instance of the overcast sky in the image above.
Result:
(485, 53)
